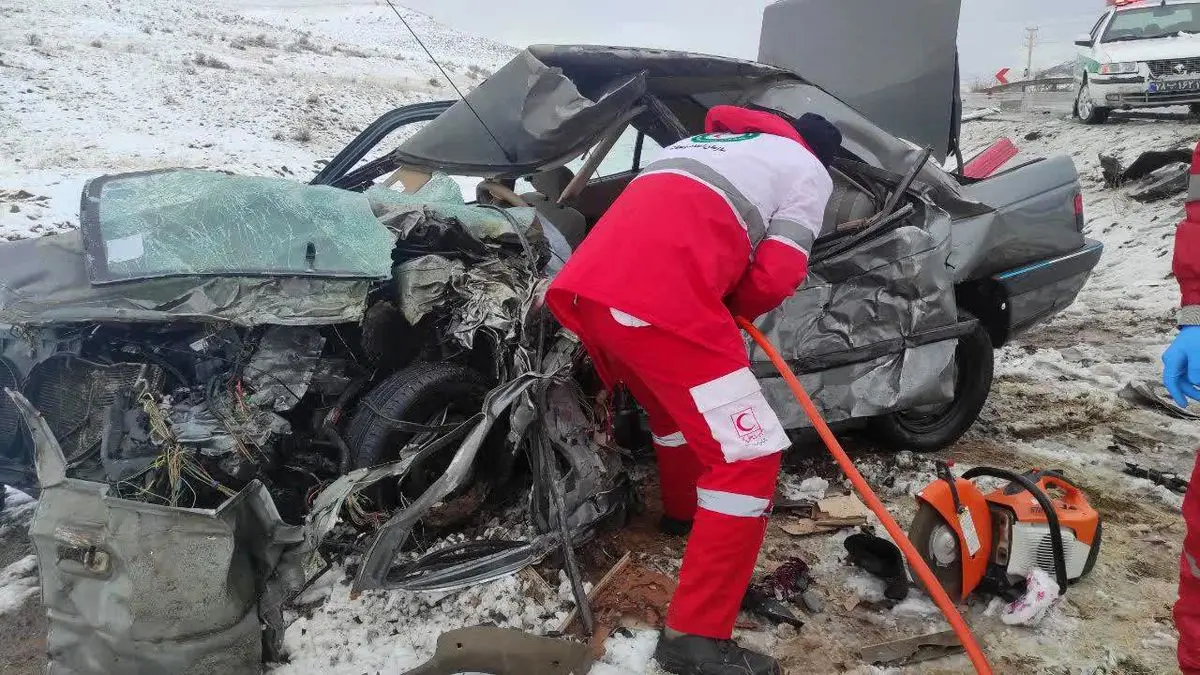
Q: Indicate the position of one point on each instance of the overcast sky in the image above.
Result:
(991, 34)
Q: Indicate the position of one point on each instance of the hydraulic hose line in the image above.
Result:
(873, 502)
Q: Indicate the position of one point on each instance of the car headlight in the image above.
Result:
(1118, 68)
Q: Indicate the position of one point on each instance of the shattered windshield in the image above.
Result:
(188, 222)
(1153, 22)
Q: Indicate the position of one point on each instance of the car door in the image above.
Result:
(1089, 61)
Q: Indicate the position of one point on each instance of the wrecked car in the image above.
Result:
(342, 370)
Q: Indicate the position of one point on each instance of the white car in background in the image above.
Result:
(1140, 54)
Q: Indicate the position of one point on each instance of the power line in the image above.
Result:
(508, 155)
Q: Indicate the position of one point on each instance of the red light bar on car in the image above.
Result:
(1123, 3)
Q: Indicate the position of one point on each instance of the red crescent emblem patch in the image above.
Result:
(746, 424)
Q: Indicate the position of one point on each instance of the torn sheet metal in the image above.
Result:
(470, 564)
(211, 426)
(425, 284)
(377, 570)
(503, 651)
(380, 557)
(493, 296)
(44, 281)
(535, 117)
(137, 587)
(282, 366)
(595, 488)
(884, 293)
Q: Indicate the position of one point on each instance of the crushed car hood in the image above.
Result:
(45, 281)
(895, 62)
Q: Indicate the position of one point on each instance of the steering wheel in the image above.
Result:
(503, 193)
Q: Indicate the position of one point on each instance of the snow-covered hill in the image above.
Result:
(89, 87)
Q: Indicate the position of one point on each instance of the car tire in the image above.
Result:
(1086, 110)
(414, 394)
(928, 431)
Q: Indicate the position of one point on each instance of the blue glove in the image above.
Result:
(1181, 366)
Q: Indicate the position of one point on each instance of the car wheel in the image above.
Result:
(933, 428)
(434, 394)
(1086, 110)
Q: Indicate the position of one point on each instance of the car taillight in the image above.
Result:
(1079, 212)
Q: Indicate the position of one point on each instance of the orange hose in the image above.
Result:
(932, 585)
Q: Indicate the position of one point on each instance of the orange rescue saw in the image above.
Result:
(972, 541)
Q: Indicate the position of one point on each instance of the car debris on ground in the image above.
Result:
(502, 651)
(1153, 176)
(912, 650)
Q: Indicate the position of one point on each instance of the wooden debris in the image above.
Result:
(803, 527)
(843, 507)
(538, 587)
(604, 582)
(829, 515)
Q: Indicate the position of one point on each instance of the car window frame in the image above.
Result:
(1100, 23)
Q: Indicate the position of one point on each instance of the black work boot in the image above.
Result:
(695, 655)
(675, 527)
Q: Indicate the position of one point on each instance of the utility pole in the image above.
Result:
(1030, 43)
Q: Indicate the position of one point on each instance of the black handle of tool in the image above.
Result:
(944, 472)
(1056, 542)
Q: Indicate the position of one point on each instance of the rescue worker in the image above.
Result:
(720, 225)
(1181, 374)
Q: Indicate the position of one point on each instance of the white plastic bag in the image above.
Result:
(1041, 594)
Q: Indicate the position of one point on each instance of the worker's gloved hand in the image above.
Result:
(1181, 366)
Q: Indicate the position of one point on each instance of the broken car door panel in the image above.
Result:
(721, 224)
(1181, 374)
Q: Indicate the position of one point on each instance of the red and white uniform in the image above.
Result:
(721, 224)
(1187, 271)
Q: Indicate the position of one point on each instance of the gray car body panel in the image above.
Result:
(1033, 218)
(133, 587)
(892, 61)
(45, 281)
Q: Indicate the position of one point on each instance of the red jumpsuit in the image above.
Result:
(1187, 272)
(720, 224)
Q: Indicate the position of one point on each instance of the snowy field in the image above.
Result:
(272, 87)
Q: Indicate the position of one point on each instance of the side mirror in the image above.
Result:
(1084, 41)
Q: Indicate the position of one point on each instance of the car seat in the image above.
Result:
(550, 185)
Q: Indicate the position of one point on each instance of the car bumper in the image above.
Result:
(1136, 91)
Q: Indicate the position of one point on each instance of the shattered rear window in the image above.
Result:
(184, 222)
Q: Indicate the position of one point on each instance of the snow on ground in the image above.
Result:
(272, 87)
(18, 582)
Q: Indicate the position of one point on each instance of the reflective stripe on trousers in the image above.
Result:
(674, 440)
(732, 504)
